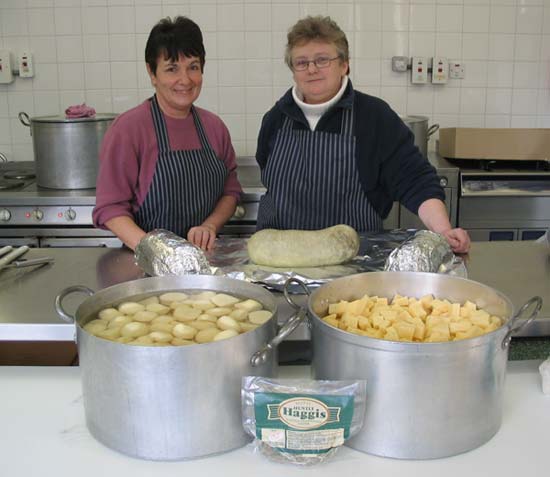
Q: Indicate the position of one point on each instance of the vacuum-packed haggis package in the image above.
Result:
(301, 421)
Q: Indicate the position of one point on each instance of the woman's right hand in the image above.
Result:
(202, 236)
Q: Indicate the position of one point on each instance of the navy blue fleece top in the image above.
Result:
(390, 166)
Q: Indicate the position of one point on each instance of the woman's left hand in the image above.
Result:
(202, 236)
(458, 239)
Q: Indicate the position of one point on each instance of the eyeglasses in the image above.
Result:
(319, 62)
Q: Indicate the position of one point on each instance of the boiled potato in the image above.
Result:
(228, 323)
(161, 336)
(184, 331)
(109, 333)
(152, 300)
(130, 308)
(168, 298)
(223, 300)
(134, 329)
(181, 342)
(219, 311)
(249, 305)
(108, 313)
(145, 316)
(201, 325)
(239, 314)
(223, 335)
(207, 335)
(166, 327)
(119, 321)
(181, 318)
(259, 317)
(95, 326)
(186, 313)
(247, 326)
(158, 308)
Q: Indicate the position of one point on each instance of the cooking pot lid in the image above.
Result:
(20, 175)
(59, 118)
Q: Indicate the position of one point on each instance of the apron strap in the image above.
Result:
(346, 127)
(160, 126)
(202, 134)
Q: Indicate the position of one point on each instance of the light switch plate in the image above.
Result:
(419, 70)
(26, 65)
(440, 70)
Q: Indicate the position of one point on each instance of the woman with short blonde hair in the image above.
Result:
(330, 154)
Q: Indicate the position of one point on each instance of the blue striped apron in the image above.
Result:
(312, 181)
(186, 185)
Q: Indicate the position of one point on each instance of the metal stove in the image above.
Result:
(40, 217)
(504, 200)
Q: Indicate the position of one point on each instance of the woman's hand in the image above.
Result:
(202, 236)
(458, 239)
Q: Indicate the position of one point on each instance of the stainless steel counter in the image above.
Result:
(518, 269)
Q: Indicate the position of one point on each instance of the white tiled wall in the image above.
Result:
(92, 51)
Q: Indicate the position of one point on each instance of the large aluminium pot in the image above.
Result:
(66, 151)
(419, 127)
(424, 400)
(174, 402)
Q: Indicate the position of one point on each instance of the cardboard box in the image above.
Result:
(486, 143)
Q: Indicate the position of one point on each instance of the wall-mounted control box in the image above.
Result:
(419, 70)
(6, 74)
(26, 65)
(440, 70)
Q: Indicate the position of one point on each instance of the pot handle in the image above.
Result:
(432, 129)
(24, 118)
(59, 301)
(261, 356)
(537, 301)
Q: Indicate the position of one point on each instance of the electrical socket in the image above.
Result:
(456, 70)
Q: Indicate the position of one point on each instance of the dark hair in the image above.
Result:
(174, 37)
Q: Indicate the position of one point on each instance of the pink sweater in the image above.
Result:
(129, 155)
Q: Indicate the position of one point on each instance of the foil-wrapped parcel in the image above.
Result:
(425, 251)
(162, 252)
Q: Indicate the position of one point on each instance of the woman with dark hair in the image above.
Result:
(330, 154)
(167, 163)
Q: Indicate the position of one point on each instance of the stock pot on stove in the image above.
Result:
(66, 151)
(422, 133)
(424, 400)
(174, 402)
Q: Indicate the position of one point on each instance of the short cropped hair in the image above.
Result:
(172, 38)
(318, 28)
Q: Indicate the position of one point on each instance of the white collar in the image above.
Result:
(313, 112)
